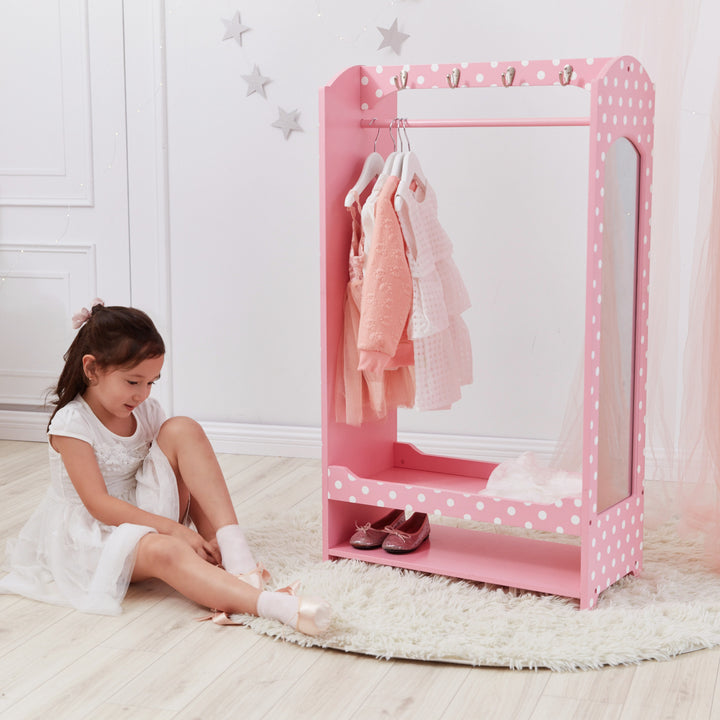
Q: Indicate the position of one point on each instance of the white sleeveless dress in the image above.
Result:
(63, 555)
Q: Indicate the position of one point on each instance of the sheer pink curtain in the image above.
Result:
(683, 421)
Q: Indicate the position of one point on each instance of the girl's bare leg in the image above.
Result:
(200, 479)
(202, 484)
(177, 564)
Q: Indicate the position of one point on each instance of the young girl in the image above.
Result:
(126, 484)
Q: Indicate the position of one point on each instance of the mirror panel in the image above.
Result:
(617, 324)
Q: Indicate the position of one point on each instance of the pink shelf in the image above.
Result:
(508, 560)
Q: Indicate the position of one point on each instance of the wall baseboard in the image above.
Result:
(306, 441)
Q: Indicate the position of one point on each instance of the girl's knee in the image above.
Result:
(178, 431)
(157, 553)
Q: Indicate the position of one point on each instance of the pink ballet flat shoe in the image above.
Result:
(258, 578)
(372, 535)
(407, 536)
(314, 613)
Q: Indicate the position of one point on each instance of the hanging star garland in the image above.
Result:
(287, 121)
(256, 82)
(234, 28)
(392, 37)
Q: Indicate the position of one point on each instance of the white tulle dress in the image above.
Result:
(63, 555)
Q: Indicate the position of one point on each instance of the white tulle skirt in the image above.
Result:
(64, 556)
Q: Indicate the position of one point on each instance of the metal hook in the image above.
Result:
(401, 82)
(508, 76)
(391, 135)
(377, 135)
(453, 78)
(399, 135)
(566, 75)
(405, 132)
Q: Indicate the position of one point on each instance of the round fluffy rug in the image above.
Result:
(672, 608)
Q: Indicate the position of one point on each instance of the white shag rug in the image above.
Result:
(672, 608)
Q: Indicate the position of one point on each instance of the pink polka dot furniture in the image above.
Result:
(366, 470)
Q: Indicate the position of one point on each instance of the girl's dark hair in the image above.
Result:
(115, 336)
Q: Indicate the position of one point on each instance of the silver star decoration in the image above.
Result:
(392, 37)
(287, 121)
(234, 28)
(256, 82)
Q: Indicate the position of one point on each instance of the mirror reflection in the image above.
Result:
(617, 323)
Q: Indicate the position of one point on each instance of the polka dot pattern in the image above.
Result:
(622, 103)
(611, 542)
(377, 81)
(561, 516)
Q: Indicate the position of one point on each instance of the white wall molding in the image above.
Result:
(306, 442)
(56, 168)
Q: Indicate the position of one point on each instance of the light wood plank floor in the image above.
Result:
(154, 661)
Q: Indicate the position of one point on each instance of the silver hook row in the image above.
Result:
(508, 77)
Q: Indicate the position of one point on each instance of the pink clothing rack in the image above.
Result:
(366, 470)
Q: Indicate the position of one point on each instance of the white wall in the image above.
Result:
(244, 201)
(223, 212)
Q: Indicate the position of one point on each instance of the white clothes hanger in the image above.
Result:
(411, 171)
(372, 167)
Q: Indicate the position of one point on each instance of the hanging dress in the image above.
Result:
(361, 396)
(440, 337)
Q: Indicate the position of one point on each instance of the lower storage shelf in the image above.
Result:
(499, 559)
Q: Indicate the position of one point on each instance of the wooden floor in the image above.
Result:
(154, 661)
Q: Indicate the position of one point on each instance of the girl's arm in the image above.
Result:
(82, 468)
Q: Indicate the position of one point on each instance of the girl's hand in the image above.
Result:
(206, 550)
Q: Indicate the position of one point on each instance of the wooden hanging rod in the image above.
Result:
(483, 122)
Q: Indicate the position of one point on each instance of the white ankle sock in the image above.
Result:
(236, 555)
(279, 606)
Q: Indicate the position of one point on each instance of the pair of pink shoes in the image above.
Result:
(393, 532)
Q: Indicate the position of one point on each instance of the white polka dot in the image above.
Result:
(528, 525)
(421, 497)
(392, 495)
(575, 520)
(479, 505)
(378, 93)
(559, 530)
(365, 490)
(409, 509)
(541, 74)
(497, 521)
(542, 515)
(352, 499)
(511, 510)
(450, 502)
(338, 485)
(380, 503)
(420, 80)
(479, 77)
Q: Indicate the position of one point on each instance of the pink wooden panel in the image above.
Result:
(622, 105)
(377, 81)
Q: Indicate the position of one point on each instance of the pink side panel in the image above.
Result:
(622, 105)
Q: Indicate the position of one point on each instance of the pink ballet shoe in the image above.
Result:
(314, 613)
(372, 535)
(408, 536)
(258, 578)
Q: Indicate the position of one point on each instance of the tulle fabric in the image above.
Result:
(65, 556)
